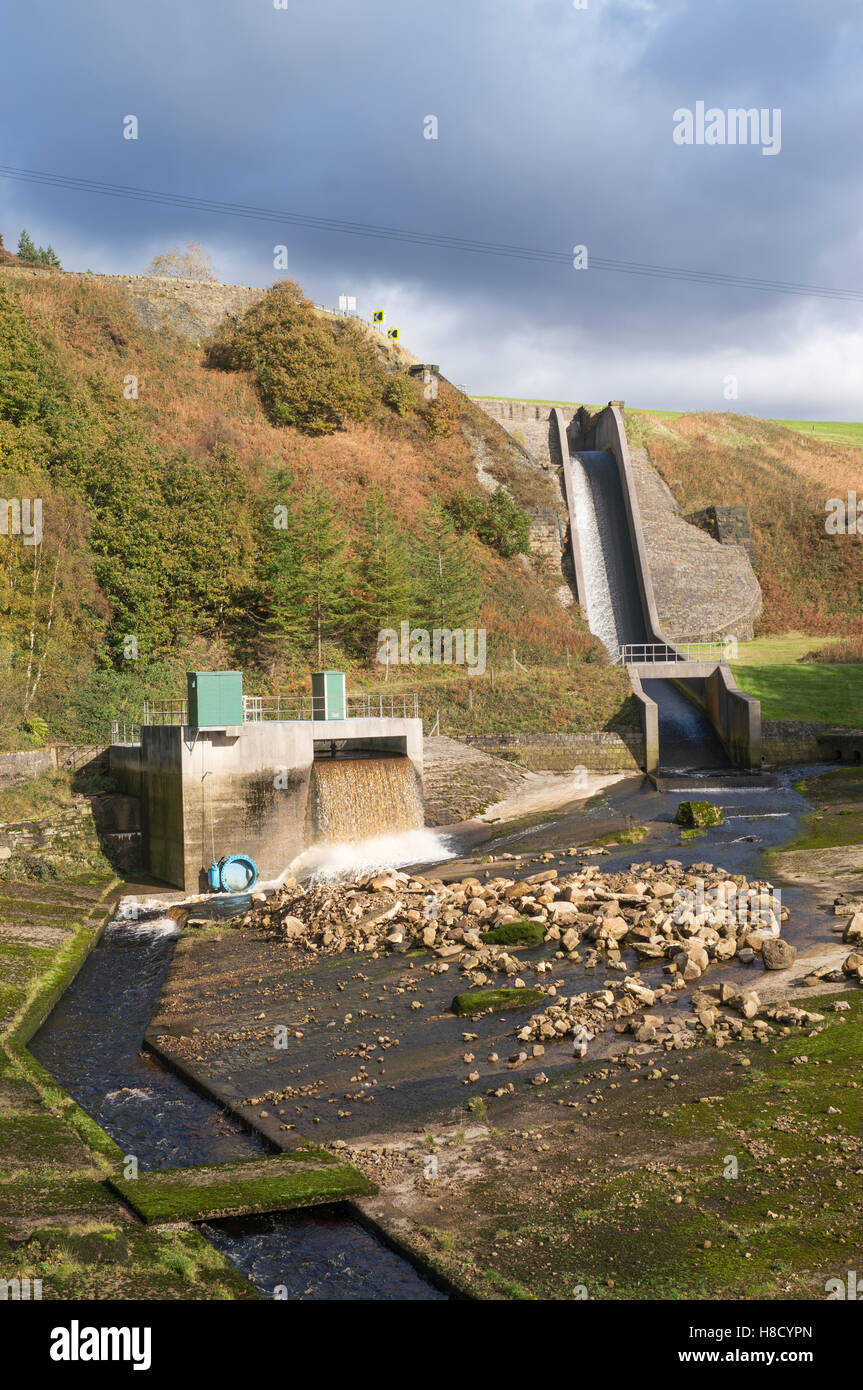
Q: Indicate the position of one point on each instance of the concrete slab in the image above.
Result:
(304, 1178)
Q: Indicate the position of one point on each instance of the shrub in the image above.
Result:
(35, 731)
(312, 373)
(497, 521)
(441, 418)
(399, 396)
(838, 653)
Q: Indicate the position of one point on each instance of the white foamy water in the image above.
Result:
(351, 858)
(158, 926)
(599, 605)
(127, 1093)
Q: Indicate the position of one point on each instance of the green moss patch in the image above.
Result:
(99, 1260)
(479, 1000)
(695, 815)
(515, 934)
(284, 1182)
(838, 817)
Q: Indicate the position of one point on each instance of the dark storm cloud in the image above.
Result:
(555, 128)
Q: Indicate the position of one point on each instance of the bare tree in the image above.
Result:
(192, 264)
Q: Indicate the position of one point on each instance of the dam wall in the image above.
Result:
(710, 686)
(205, 793)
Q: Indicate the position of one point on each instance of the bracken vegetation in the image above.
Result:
(233, 504)
(811, 581)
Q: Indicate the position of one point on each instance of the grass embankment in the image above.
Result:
(578, 698)
(812, 694)
(809, 579)
(688, 1176)
(58, 1220)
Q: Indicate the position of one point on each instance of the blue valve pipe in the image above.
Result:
(233, 873)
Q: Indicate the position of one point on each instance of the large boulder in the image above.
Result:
(778, 954)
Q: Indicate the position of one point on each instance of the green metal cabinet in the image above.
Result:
(328, 695)
(215, 698)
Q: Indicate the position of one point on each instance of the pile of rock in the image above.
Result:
(852, 935)
(721, 1013)
(685, 917)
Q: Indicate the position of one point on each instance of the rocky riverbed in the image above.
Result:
(686, 918)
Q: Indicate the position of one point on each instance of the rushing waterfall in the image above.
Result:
(590, 525)
(355, 798)
(368, 814)
(615, 613)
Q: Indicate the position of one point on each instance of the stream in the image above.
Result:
(91, 1044)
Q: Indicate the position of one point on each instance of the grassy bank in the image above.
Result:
(59, 1222)
(813, 694)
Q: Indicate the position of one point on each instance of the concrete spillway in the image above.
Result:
(612, 599)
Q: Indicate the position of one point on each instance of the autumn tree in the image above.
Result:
(191, 264)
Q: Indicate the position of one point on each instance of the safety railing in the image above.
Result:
(365, 705)
(164, 712)
(661, 654)
(383, 706)
(121, 732)
(258, 708)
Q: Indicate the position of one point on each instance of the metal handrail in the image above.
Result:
(123, 733)
(661, 654)
(365, 705)
(288, 708)
(165, 712)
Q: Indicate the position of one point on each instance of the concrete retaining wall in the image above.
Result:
(23, 767)
(35, 762)
(735, 716)
(205, 793)
(124, 763)
(602, 751)
(791, 741)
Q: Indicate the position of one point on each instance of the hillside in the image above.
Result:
(811, 581)
(159, 459)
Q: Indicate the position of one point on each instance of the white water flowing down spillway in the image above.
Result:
(593, 520)
(368, 814)
(358, 797)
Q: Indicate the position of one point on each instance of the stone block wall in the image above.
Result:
(704, 590)
(529, 424)
(601, 751)
(727, 525)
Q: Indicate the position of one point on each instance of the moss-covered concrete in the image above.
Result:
(59, 1220)
(479, 1001)
(733, 1173)
(304, 1178)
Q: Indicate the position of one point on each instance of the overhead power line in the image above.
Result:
(415, 238)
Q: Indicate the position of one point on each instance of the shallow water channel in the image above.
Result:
(91, 1044)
